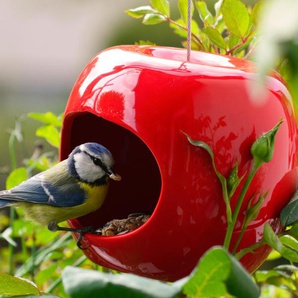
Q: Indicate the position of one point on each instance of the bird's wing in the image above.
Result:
(53, 187)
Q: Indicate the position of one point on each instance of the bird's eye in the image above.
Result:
(97, 162)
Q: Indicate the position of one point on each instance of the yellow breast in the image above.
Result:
(95, 197)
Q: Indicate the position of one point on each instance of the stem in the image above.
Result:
(295, 276)
(12, 152)
(249, 249)
(189, 17)
(231, 225)
(10, 246)
(15, 134)
(12, 211)
(243, 229)
(194, 36)
(33, 254)
(228, 205)
(244, 40)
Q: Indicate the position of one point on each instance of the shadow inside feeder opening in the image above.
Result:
(140, 187)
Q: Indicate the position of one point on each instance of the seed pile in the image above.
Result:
(123, 226)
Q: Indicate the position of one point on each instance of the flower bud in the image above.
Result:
(262, 149)
(233, 181)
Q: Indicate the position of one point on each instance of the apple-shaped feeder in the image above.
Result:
(137, 101)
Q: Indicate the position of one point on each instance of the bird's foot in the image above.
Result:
(53, 227)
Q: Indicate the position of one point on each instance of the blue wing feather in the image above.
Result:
(54, 187)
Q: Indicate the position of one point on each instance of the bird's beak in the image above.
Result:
(114, 176)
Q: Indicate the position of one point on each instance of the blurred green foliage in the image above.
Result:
(278, 43)
(28, 250)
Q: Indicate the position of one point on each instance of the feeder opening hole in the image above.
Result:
(140, 187)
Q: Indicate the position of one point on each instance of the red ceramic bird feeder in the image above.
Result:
(136, 101)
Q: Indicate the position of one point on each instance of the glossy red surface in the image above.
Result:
(136, 100)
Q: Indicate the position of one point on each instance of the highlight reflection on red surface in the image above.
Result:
(136, 100)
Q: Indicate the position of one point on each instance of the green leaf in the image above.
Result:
(205, 146)
(205, 42)
(13, 286)
(145, 42)
(243, 46)
(256, 12)
(289, 215)
(42, 276)
(183, 9)
(208, 278)
(195, 29)
(210, 152)
(276, 277)
(205, 15)
(217, 274)
(287, 267)
(6, 235)
(293, 231)
(181, 30)
(47, 118)
(236, 17)
(217, 7)
(264, 275)
(289, 242)
(177, 28)
(81, 283)
(16, 177)
(215, 37)
(253, 210)
(272, 240)
(162, 6)
(139, 12)
(240, 283)
(50, 133)
(274, 255)
(153, 19)
(233, 40)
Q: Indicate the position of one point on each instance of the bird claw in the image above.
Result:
(53, 227)
(82, 232)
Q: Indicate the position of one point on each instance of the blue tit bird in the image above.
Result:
(72, 188)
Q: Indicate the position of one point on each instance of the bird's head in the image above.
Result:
(92, 163)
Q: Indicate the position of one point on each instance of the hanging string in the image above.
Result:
(189, 29)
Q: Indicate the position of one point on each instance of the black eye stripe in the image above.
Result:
(98, 162)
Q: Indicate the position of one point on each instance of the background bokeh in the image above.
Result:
(45, 44)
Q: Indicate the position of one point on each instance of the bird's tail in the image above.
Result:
(5, 203)
(4, 199)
